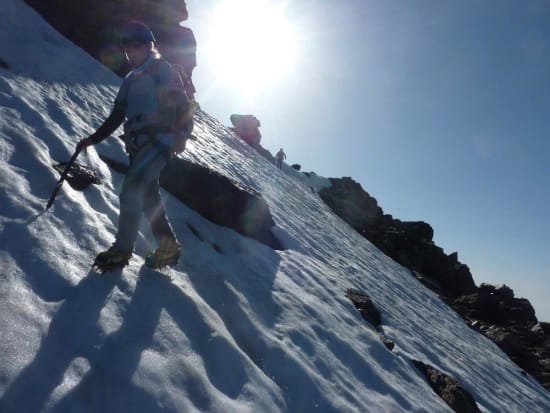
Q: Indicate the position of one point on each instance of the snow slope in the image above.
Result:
(236, 327)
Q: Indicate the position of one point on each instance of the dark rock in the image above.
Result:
(495, 305)
(541, 328)
(247, 127)
(525, 343)
(79, 177)
(504, 292)
(366, 307)
(411, 245)
(431, 283)
(91, 24)
(390, 344)
(4, 64)
(296, 166)
(446, 387)
(510, 343)
(350, 202)
(417, 230)
(216, 198)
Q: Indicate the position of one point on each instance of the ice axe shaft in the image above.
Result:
(62, 178)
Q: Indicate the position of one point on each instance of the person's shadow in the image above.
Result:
(112, 381)
(72, 333)
(113, 389)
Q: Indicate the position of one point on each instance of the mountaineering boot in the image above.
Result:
(112, 259)
(167, 254)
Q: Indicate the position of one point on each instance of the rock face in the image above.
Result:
(219, 200)
(495, 305)
(448, 389)
(492, 310)
(363, 303)
(79, 177)
(93, 24)
(247, 127)
(409, 243)
(216, 198)
(445, 386)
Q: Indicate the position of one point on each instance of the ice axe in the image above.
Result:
(62, 178)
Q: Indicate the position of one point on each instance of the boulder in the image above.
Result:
(366, 307)
(216, 198)
(448, 388)
(79, 177)
(495, 305)
(247, 127)
(408, 242)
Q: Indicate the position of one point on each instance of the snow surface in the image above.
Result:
(236, 327)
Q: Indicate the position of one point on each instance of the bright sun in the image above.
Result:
(252, 45)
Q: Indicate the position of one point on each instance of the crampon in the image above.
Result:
(166, 255)
(112, 259)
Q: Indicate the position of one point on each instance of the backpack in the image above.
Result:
(184, 112)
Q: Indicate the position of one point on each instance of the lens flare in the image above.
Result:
(252, 44)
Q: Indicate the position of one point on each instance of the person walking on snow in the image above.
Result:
(279, 158)
(148, 102)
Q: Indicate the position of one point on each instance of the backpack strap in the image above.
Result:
(184, 115)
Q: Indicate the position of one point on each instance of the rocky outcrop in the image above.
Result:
(444, 385)
(363, 303)
(216, 198)
(458, 399)
(220, 200)
(492, 310)
(409, 243)
(246, 127)
(511, 323)
(495, 305)
(79, 177)
(90, 23)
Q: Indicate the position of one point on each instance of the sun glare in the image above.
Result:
(251, 45)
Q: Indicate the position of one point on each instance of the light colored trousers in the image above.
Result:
(141, 193)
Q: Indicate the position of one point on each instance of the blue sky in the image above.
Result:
(440, 109)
